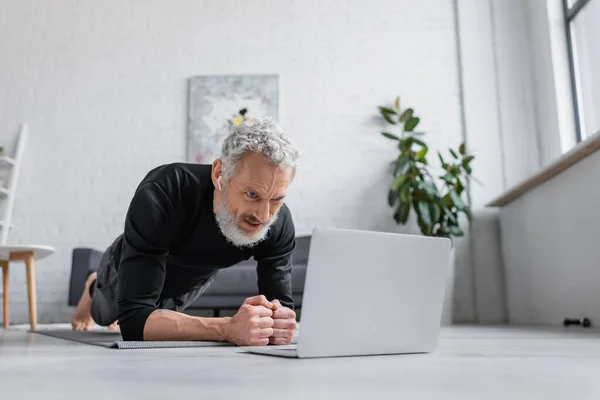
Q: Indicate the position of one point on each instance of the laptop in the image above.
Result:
(369, 293)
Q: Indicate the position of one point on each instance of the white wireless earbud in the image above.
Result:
(219, 183)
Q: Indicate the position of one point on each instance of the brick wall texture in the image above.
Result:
(102, 85)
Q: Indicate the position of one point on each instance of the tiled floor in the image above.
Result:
(470, 363)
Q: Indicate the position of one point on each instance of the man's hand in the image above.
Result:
(252, 325)
(284, 324)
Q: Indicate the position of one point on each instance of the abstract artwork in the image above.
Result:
(216, 102)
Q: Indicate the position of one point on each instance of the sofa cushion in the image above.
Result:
(231, 301)
(300, 255)
(238, 279)
(241, 279)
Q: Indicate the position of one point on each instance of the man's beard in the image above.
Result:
(229, 226)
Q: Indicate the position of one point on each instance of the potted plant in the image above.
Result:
(435, 195)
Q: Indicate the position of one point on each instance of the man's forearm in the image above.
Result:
(172, 325)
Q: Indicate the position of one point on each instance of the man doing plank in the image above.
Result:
(187, 221)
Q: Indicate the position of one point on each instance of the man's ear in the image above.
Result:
(217, 171)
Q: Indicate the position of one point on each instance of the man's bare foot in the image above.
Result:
(114, 327)
(82, 318)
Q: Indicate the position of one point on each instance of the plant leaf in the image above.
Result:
(448, 202)
(462, 149)
(397, 213)
(435, 211)
(397, 103)
(402, 165)
(450, 216)
(421, 154)
(411, 124)
(453, 154)
(419, 210)
(392, 197)
(408, 141)
(468, 214)
(459, 186)
(398, 182)
(401, 213)
(390, 136)
(424, 228)
(387, 111)
(448, 178)
(454, 221)
(405, 194)
(417, 141)
(467, 160)
(423, 210)
(457, 201)
(406, 115)
(404, 214)
(430, 189)
(455, 230)
(441, 159)
(388, 119)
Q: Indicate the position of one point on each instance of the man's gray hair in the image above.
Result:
(258, 135)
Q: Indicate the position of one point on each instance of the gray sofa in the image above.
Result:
(231, 286)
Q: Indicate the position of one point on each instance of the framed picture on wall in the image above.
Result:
(216, 102)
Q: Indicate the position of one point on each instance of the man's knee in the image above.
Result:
(103, 310)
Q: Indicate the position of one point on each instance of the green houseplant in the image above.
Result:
(436, 196)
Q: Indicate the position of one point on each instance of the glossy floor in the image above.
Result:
(471, 363)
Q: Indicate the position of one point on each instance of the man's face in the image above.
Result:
(249, 202)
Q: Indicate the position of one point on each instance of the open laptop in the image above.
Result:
(369, 293)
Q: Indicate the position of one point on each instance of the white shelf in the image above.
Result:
(7, 160)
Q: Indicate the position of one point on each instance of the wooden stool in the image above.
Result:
(28, 254)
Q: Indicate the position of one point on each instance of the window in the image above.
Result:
(583, 41)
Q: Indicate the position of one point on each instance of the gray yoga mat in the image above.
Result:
(114, 340)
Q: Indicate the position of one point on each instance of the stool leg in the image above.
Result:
(4, 265)
(31, 290)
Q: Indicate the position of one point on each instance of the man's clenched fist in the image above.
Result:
(259, 322)
(284, 324)
(252, 325)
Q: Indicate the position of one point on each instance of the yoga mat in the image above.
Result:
(114, 340)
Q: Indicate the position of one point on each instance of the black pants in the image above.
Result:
(104, 291)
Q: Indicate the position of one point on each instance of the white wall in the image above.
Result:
(586, 37)
(103, 88)
(550, 243)
(518, 119)
(480, 294)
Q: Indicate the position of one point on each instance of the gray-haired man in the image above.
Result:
(187, 221)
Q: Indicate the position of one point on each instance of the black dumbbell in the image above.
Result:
(585, 322)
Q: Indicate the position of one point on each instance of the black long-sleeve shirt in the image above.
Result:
(171, 243)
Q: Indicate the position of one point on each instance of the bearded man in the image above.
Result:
(185, 223)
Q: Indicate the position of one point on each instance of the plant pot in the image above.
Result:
(447, 311)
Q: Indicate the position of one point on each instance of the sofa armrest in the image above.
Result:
(84, 261)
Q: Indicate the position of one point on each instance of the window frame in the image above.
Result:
(570, 13)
